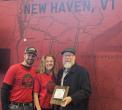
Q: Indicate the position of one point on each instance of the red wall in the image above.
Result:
(93, 27)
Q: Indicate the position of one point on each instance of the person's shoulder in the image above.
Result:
(76, 66)
(79, 69)
(15, 65)
(41, 76)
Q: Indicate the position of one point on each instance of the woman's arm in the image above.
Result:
(36, 101)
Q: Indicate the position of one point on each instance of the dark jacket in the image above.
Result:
(78, 81)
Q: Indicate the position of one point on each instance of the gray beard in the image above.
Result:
(68, 65)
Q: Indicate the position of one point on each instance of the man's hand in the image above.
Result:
(66, 101)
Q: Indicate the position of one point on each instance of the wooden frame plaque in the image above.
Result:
(59, 93)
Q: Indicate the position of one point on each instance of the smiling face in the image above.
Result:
(29, 59)
(49, 63)
(68, 59)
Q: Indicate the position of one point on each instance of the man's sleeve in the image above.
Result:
(10, 75)
(5, 92)
(7, 86)
(37, 84)
(85, 87)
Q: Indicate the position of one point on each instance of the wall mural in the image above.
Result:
(93, 27)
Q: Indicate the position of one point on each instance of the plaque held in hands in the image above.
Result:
(59, 93)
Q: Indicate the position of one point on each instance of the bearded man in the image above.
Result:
(77, 78)
(17, 86)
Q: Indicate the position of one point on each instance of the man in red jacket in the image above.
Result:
(17, 87)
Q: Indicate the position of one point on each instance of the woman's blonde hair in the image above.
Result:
(42, 65)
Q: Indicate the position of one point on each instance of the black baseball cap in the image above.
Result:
(71, 50)
(31, 50)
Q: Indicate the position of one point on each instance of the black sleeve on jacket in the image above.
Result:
(5, 91)
(85, 87)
